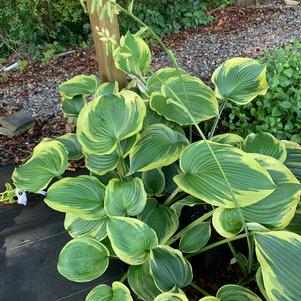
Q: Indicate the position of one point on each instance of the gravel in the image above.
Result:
(202, 53)
(38, 100)
(199, 54)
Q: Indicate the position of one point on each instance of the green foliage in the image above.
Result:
(22, 65)
(240, 80)
(118, 292)
(135, 62)
(45, 28)
(33, 25)
(129, 143)
(49, 160)
(233, 293)
(168, 16)
(9, 195)
(90, 261)
(279, 111)
(3, 77)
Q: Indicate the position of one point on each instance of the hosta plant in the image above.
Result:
(147, 158)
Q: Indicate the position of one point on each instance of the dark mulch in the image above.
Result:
(77, 62)
(13, 150)
(227, 20)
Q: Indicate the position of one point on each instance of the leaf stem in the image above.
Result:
(243, 269)
(217, 118)
(216, 244)
(170, 199)
(190, 226)
(199, 289)
(121, 159)
(244, 282)
(124, 276)
(251, 255)
(190, 133)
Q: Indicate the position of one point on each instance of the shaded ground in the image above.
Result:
(31, 239)
(235, 32)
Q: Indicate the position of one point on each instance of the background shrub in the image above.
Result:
(279, 111)
(31, 26)
(167, 16)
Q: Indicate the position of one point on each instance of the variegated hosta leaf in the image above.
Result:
(101, 164)
(154, 83)
(78, 227)
(71, 144)
(9, 195)
(127, 145)
(293, 158)
(240, 80)
(278, 253)
(131, 239)
(133, 56)
(79, 85)
(188, 92)
(295, 224)
(105, 121)
(171, 297)
(169, 268)
(82, 196)
(71, 107)
(227, 222)
(202, 178)
(228, 138)
(195, 238)
(158, 146)
(161, 218)
(274, 211)
(142, 283)
(83, 259)
(259, 280)
(125, 198)
(278, 171)
(281, 175)
(189, 201)
(231, 292)
(265, 144)
(103, 292)
(49, 160)
(153, 117)
(154, 181)
(107, 89)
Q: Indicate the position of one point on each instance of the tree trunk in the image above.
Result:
(245, 2)
(106, 64)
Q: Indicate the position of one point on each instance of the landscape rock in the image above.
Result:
(16, 123)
